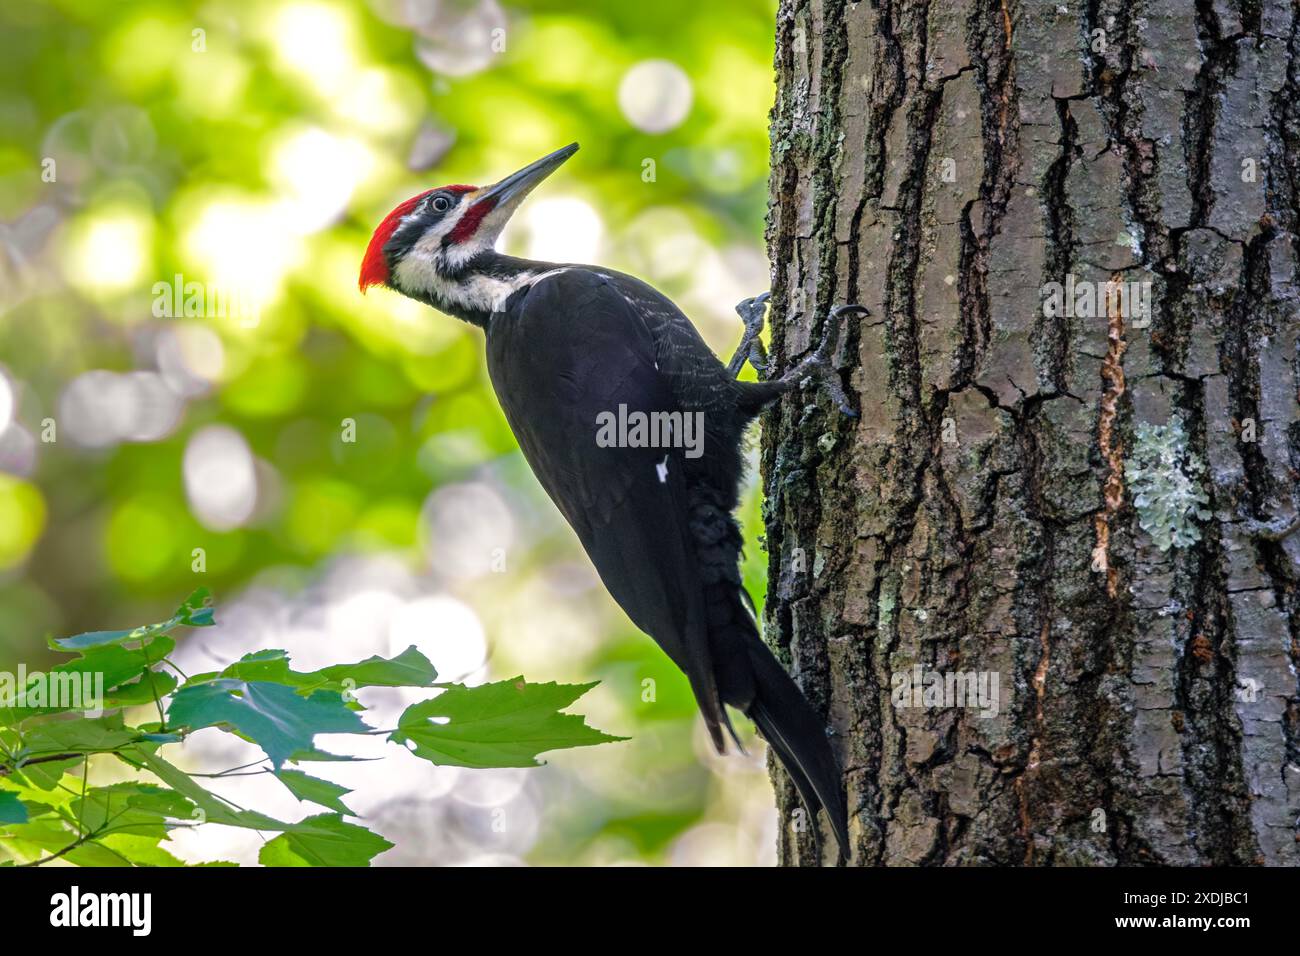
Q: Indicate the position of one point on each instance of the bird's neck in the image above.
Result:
(473, 290)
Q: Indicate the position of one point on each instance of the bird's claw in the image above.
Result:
(751, 312)
(820, 365)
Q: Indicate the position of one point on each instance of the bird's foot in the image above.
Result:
(751, 312)
(819, 365)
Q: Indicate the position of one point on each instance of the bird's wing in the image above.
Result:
(698, 377)
(562, 355)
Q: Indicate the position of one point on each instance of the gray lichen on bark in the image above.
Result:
(941, 163)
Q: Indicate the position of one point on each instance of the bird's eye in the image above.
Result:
(441, 203)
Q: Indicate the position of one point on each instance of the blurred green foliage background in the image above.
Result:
(335, 466)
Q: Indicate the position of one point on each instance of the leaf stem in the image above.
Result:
(153, 688)
(81, 806)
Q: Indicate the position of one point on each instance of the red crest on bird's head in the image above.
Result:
(427, 241)
(374, 267)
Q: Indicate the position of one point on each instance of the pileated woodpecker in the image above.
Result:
(569, 343)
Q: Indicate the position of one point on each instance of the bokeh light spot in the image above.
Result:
(655, 96)
(560, 229)
(314, 42)
(22, 518)
(108, 252)
(220, 478)
(141, 538)
(6, 402)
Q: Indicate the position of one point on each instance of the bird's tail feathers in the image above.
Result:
(742, 671)
(793, 729)
(714, 712)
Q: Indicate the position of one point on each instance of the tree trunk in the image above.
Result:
(1084, 501)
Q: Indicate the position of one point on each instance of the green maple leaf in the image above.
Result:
(306, 787)
(325, 840)
(275, 717)
(12, 810)
(504, 724)
(408, 669)
(193, 612)
(80, 735)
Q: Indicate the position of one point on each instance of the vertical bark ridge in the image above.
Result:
(942, 164)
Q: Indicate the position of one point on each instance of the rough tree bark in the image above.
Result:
(942, 162)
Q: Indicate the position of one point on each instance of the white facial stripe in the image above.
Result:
(421, 273)
(424, 269)
(460, 253)
(431, 241)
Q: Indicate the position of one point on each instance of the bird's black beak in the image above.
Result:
(504, 197)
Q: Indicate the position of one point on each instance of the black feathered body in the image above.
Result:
(579, 341)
